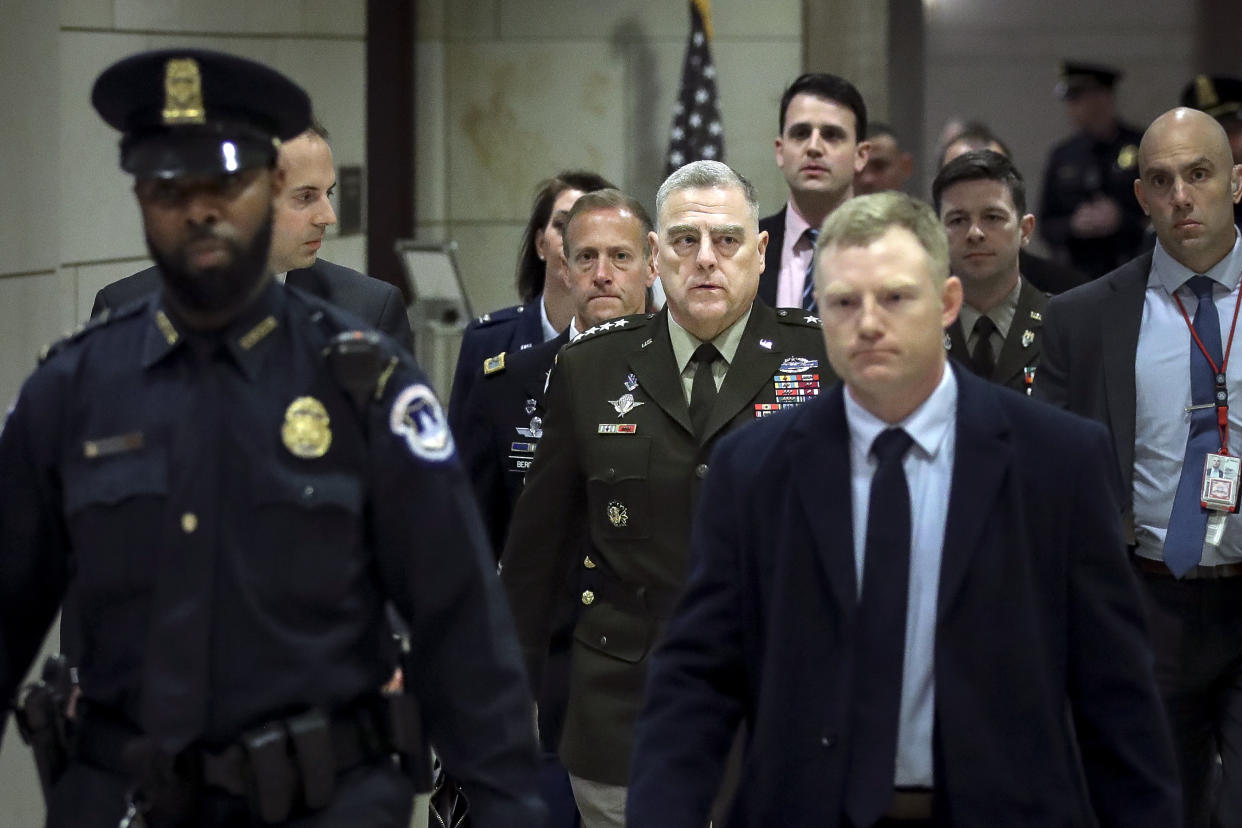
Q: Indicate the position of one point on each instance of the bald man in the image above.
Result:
(1121, 349)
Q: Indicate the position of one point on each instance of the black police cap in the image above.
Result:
(1075, 76)
(1218, 95)
(195, 112)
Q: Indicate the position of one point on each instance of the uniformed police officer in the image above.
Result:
(634, 406)
(228, 483)
(1221, 97)
(1088, 213)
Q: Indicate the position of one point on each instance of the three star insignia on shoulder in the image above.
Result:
(494, 364)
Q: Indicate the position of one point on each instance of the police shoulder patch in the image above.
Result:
(621, 323)
(418, 418)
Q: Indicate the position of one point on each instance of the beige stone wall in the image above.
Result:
(510, 91)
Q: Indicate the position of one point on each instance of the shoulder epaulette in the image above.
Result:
(621, 323)
(494, 364)
(798, 316)
(105, 317)
(497, 316)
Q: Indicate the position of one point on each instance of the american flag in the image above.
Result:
(696, 132)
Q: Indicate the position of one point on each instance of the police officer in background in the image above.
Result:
(1088, 214)
(1221, 97)
(228, 482)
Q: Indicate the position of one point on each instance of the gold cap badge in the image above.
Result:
(1127, 157)
(183, 92)
(306, 433)
(1205, 92)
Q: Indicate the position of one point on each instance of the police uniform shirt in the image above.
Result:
(685, 343)
(1080, 170)
(1001, 316)
(229, 525)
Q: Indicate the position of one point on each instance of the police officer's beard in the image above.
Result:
(216, 289)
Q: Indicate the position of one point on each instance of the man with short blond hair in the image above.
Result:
(634, 406)
(909, 638)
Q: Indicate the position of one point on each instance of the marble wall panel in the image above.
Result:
(99, 218)
(91, 14)
(335, 17)
(518, 113)
(34, 310)
(30, 138)
(487, 258)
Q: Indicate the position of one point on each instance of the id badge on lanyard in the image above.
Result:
(1221, 483)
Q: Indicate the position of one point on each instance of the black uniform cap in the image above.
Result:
(1218, 95)
(189, 112)
(1078, 77)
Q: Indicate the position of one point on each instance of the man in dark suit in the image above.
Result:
(633, 408)
(1120, 350)
(303, 215)
(903, 658)
(981, 199)
(819, 149)
(608, 267)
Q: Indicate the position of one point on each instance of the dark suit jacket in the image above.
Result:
(1041, 658)
(770, 278)
(1019, 356)
(378, 304)
(1090, 344)
(1048, 275)
(506, 330)
(628, 499)
(503, 426)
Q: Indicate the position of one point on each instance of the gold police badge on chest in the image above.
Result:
(305, 432)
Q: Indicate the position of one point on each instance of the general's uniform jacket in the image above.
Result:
(613, 485)
(1019, 357)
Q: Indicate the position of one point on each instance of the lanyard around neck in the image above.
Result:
(1220, 391)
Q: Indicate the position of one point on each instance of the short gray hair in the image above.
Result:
(861, 220)
(704, 174)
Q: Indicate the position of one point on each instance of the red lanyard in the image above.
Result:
(1220, 392)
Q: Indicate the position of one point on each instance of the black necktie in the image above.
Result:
(703, 389)
(808, 286)
(880, 635)
(982, 360)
